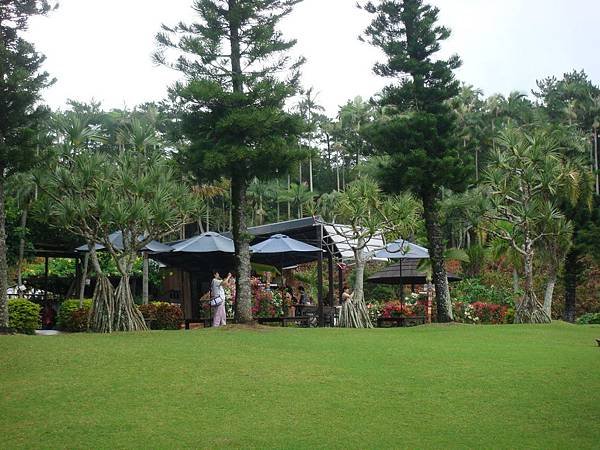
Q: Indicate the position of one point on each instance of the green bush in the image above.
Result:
(471, 290)
(510, 316)
(162, 315)
(24, 316)
(589, 318)
(73, 318)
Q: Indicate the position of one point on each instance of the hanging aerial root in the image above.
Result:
(355, 314)
(103, 307)
(127, 316)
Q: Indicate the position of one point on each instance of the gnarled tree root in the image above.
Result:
(530, 310)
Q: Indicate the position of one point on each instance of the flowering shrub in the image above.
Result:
(396, 309)
(162, 315)
(267, 303)
(464, 313)
(479, 312)
(375, 309)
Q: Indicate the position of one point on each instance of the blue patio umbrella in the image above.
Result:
(204, 243)
(282, 251)
(401, 249)
(209, 249)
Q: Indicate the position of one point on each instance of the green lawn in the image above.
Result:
(425, 387)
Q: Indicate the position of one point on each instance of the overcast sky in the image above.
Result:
(102, 49)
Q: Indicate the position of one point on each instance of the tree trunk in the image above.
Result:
(549, 291)
(127, 316)
(530, 310)
(354, 312)
(515, 280)
(289, 205)
(310, 173)
(436, 255)
(84, 273)
(103, 301)
(572, 265)
(23, 224)
(207, 215)
(241, 238)
(145, 275)
(3, 263)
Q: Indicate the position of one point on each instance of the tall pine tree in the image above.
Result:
(20, 84)
(233, 103)
(420, 137)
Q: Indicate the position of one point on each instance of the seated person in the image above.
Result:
(302, 297)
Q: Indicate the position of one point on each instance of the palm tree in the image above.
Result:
(257, 192)
(138, 135)
(23, 187)
(309, 109)
(353, 116)
(207, 193)
(297, 195)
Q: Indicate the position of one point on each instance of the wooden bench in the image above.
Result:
(206, 321)
(401, 321)
(304, 320)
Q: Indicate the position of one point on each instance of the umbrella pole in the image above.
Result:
(401, 286)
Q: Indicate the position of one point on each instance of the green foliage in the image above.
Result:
(370, 212)
(24, 316)
(571, 99)
(589, 318)
(471, 290)
(234, 104)
(162, 315)
(73, 318)
(420, 134)
(20, 86)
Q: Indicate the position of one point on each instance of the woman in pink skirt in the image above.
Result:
(217, 299)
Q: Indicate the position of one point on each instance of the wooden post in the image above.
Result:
(145, 275)
(320, 280)
(340, 284)
(330, 280)
(45, 278)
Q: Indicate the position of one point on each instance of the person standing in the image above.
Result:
(217, 299)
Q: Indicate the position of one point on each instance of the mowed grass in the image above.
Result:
(424, 387)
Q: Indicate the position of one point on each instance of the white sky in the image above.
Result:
(102, 50)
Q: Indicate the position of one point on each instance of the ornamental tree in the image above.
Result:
(134, 191)
(418, 131)
(523, 180)
(238, 77)
(369, 213)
